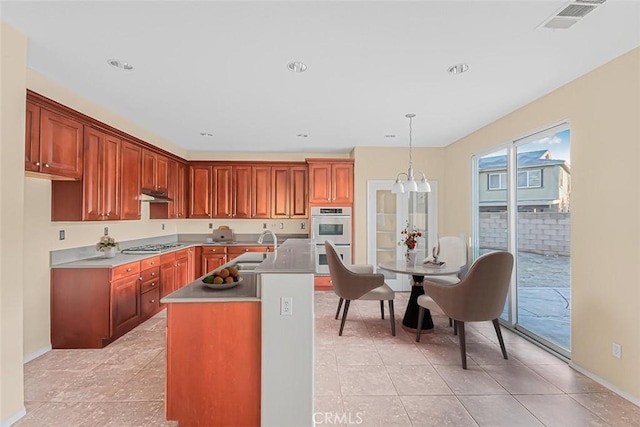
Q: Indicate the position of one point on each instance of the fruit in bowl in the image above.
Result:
(224, 276)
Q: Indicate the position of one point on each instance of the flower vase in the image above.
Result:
(109, 252)
(411, 256)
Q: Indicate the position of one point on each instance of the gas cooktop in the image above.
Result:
(151, 249)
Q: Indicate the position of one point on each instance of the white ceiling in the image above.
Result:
(220, 66)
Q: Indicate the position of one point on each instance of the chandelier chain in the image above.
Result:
(410, 142)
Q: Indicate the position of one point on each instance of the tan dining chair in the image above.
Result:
(357, 283)
(479, 296)
(453, 252)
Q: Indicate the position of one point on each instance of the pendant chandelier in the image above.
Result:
(410, 183)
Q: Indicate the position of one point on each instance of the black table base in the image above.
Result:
(410, 319)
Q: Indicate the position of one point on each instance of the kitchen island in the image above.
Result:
(244, 356)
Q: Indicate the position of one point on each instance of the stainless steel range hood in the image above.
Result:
(154, 196)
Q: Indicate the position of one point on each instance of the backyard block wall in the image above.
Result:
(544, 233)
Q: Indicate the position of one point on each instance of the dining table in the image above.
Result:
(418, 270)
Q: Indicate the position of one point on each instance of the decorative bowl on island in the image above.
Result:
(223, 279)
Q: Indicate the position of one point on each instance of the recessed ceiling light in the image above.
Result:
(207, 134)
(123, 65)
(303, 135)
(389, 136)
(458, 68)
(297, 66)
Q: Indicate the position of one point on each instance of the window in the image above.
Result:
(530, 179)
(526, 179)
(497, 181)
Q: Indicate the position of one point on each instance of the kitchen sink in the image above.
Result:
(243, 266)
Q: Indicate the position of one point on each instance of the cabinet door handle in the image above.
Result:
(46, 165)
(128, 269)
(152, 301)
(153, 273)
(108, 213)
(246, 250)
(153, 284)
(37, 163)
(153, 262)
(140, 278)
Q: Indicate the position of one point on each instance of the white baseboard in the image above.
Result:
(35, 354)
(607, 384)
(14, 418)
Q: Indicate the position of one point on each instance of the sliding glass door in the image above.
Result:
(522, 204)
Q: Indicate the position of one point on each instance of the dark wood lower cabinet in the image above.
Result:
(92, 307)
(125, 302)
(150, 302)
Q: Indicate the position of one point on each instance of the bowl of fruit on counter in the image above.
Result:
(223, 279)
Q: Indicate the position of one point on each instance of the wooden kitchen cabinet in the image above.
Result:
(167, 274)
(330, 181)
(32, 138)
(212, 257)
(101, 183)
(155, 171)
(261, 192)
(232, 191)
(178, 209)
(182, 269)
(130, 180)
(191, 265)
(92, 307)
(289, 190)
(200, 194)
(54, 144)
(125, 297)
(174, 271)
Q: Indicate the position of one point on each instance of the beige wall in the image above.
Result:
(13, 50)
(604, 112)
(386, 163)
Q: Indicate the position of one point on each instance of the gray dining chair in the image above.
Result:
(479, 296)
(357, 283)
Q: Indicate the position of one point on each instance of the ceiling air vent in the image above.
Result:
(570, 14)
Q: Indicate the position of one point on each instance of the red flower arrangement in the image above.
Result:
(410, 238)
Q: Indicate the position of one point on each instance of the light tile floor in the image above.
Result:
(366, 377)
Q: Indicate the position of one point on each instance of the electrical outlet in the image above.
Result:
(61, 234)
(303, 226)
(106, 231)
(211, 225)
(286, 306)
(616, 350)
(163, 226)
(264, 225)
(281, 225)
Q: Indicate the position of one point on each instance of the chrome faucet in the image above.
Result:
(275, 239)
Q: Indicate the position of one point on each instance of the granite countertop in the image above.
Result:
(293, 256)
(196, 291)
(120, 258)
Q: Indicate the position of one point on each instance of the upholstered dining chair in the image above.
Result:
(357, 282)
(478, 297)
(453, 252)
